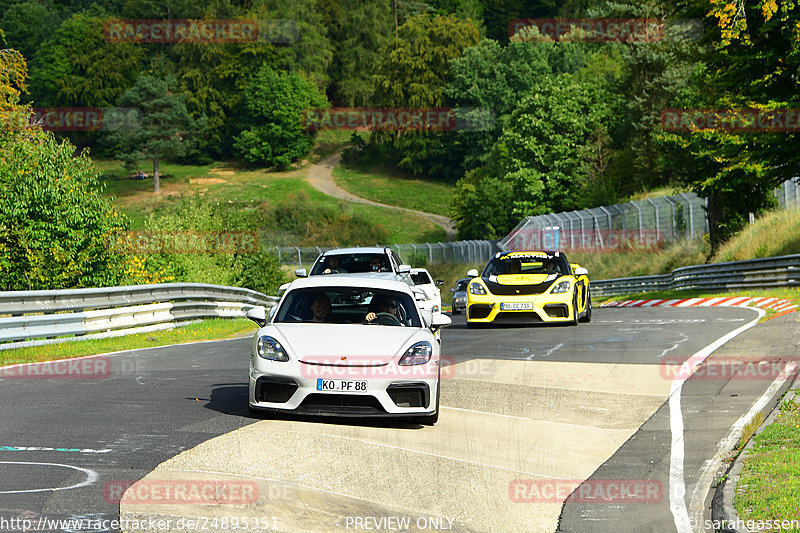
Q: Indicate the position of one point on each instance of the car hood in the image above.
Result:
(328, 343)
(523, 279)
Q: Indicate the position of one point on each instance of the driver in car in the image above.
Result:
(385, 305)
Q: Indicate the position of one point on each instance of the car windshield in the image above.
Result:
(462, 285)
(348, 305)
(421, 278)
(351, 263)
(538, 263)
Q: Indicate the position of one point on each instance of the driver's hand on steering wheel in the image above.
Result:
(370, 316)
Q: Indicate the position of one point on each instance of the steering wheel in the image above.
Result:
(386, 319)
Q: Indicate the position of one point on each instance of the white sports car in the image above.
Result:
(345, 345)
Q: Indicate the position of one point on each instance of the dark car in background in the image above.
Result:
(460, 296)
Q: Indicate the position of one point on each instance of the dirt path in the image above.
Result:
(320, 176)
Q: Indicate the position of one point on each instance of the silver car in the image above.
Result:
(460, 295)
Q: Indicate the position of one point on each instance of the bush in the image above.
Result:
(54, 223)
(304, 223)
(200, 242)
(274, 102)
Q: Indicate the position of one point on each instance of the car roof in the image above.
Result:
(417, 270)
(375, 280)
(531, 252)
(361, 250)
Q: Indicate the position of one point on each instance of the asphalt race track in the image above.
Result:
(525, 410)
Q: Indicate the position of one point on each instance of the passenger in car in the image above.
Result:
(376, 264)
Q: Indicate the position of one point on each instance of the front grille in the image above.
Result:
(513, 290)
(518, 316)
(274, 390)
(341, 404)
(479, 311)
(409, 394)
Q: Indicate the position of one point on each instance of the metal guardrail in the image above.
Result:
(30, 318)
(765, 273)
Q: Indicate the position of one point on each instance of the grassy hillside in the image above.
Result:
(775, 233)
(392, 187)
(274, 193)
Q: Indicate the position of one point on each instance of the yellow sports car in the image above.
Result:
(529, 286)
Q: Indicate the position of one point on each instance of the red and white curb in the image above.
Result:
(776, 304)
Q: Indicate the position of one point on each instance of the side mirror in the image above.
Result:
(439, 282)
(440, 320)
(404, 269)
(258, 315)
(301, 273)
(452, 290)
(580, 271)
(473, 273)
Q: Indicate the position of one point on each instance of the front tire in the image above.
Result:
(574, 321)
(587, 316)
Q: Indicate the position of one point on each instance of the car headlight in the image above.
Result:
(476, 288)
(419, 354)
(269, 348)
(561, 287)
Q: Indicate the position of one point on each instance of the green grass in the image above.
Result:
(775, 233)
(248, 189)
(212, 329)
(642, 262)
(769, 483)
(392, 187)
(329, 142)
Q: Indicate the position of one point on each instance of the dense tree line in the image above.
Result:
(564, 124)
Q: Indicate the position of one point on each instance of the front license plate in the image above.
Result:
(341, 385)
(516, 306)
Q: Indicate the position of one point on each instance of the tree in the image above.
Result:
(274, 132)
(553, 144)
(79, 67)
(27, 25)
(751, 62)
(413, 74)
(166, 131)
(416, 67)
(495, 78)
(498, 13)
(359, 33)
(54, 223)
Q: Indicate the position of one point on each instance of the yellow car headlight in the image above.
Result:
(561, 288)
(477, 288)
